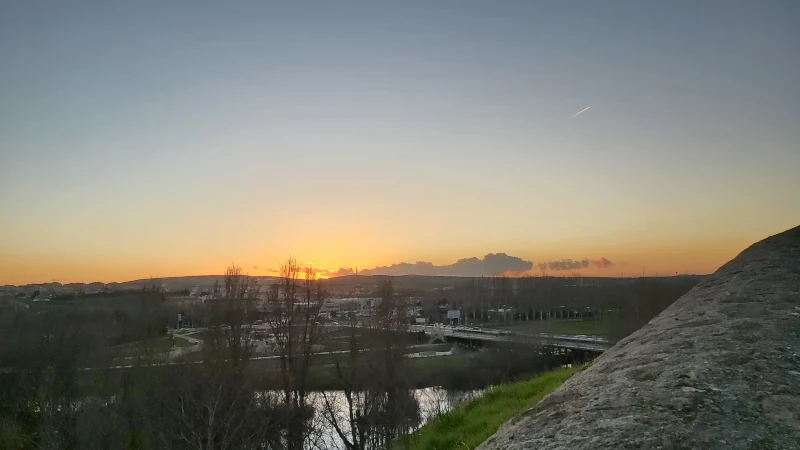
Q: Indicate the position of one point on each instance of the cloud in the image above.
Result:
(340, 272)
(255, 267)
(601, 263)
(568, 264)
(564, 264)
(490, 264)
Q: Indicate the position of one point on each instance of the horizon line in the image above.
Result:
(366, 276)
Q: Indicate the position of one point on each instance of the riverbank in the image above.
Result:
(469, 424)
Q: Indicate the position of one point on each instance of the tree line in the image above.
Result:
(61, 387)
(625, 304)
(64, 384)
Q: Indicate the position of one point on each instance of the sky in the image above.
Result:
(173, 138)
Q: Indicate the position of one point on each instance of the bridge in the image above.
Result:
(474, 336)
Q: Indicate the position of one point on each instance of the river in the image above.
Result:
(432, 402)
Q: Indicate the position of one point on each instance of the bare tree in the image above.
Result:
(215, 405)
(377, 405)
(40, 359)
(232, 308)
(202, 407)
(353, 423)
(294, 306)
(153, 285)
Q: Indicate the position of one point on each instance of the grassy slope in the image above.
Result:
(178, 341)
(470, 424)
(586, 326)
(159, 343)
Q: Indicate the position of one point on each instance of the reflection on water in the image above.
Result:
(436, 401)
(431, 402)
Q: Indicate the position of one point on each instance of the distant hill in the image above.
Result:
(344, 283)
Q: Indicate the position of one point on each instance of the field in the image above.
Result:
(158, 345)
(468, 425)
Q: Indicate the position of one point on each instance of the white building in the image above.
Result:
(358, 305)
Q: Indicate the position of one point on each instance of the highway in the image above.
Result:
(589, 343)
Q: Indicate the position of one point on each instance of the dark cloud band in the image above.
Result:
(491, 264)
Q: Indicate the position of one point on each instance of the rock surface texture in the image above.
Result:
(719, 369)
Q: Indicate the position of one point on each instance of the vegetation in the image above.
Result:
(378, 403)
(164, 342)
(100, 370)
(466, 426)
(610, 307)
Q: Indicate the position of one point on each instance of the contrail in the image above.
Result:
(584, 109)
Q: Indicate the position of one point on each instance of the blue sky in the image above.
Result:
(144, 138)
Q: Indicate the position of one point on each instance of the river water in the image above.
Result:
(432, 402)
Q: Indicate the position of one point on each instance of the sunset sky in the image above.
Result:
(163, 139)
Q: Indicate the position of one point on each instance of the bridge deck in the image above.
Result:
(588, 343)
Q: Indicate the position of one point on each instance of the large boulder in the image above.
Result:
(719, 369)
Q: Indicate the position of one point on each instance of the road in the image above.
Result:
(590, 343)
(269, 357)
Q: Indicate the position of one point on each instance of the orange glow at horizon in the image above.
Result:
(393, 138)
(630, 257)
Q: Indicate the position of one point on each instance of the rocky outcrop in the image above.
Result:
(719, 369)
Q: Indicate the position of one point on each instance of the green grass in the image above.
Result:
(581, 326)
(202, 335)
(178, 341)
(430, 348)
(163, 342)
(160, 344)
(470, 424)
